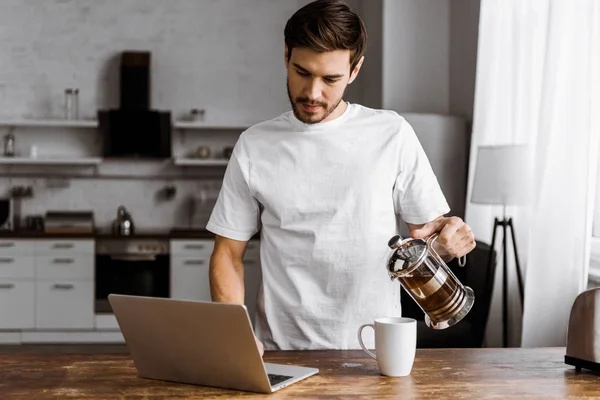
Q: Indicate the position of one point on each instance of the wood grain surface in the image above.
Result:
(437, 374)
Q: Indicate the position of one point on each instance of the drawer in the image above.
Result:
(76, 267)
(64, 247)
(17, 247)
(189, 278)
(17, 304)
(64, 304)
(192, 248)
(17, 266)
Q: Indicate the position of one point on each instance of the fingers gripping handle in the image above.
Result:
(462, 260)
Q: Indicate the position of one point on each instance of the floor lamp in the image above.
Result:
(502, 177)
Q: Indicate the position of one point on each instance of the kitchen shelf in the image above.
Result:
(50, 161)
(60, 123)
(200, 162)
(49, 123)
(200, 126)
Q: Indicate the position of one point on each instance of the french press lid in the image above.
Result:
(408, 253)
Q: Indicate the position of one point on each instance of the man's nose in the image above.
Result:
(313, 90)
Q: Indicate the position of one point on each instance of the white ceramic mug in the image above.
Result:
(395, 344)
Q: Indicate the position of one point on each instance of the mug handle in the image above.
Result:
(360, 341)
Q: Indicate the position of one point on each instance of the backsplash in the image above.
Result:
(137, 185)
(144, 199)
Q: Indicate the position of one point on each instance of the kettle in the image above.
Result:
(123, 224)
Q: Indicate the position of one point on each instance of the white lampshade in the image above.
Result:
(502, 175)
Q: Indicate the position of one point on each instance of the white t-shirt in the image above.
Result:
(326, 198)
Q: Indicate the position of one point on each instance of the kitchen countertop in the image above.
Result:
(95, 372)
(151, 234)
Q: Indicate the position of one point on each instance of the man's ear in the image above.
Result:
(286, 55)
(354, 72)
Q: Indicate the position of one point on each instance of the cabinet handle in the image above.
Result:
(6, 260)
(62, 286)
(7, 244)
(63, 261)
(63, 245)
(193, 262)
(250, 262)
(7, 285)
(193, 246)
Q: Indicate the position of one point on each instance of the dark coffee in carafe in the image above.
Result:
(429, 281)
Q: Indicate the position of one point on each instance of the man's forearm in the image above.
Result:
(226, 279)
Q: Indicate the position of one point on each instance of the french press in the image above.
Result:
(429, 281)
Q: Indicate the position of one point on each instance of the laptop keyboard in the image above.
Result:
(277, 379)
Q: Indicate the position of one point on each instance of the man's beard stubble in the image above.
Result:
(302, 100)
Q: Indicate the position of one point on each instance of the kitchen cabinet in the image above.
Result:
(46, 284)
(64, 304)
(17, 304)
(17, 284)
(190, 261)
(17, 266)
(64, 284)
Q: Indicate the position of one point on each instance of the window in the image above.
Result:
(594, 275)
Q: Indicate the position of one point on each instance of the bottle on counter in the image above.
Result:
(9, 145)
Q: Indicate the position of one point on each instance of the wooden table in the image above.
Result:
(54, 373)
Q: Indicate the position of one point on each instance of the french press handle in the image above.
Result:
(462, 260)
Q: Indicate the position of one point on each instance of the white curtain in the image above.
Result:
(538, 82)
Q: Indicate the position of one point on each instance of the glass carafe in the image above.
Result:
(429, 281)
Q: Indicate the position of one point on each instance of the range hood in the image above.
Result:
(135, 130)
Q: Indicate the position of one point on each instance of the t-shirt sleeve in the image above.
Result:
(417, 195)
(236, 212)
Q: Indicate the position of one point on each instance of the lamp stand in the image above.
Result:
(504, 223)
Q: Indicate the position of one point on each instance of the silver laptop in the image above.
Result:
(200, 343)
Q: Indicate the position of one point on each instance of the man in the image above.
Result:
(326, 184)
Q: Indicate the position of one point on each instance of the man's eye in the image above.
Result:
(329, 80)
(302, 73)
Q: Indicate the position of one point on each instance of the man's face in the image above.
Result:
(316, 83)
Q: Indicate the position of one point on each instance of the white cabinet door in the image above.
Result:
(17, 266)
(64, 247)
(191, 248)
(17, 304)
(189, 278)
(65, 266)
(65, 304)
(190, 261)
(12, 247)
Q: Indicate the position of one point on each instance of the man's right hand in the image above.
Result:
(261, 348)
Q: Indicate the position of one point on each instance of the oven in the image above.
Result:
(134, 266)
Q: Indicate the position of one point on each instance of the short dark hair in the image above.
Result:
(327, 25)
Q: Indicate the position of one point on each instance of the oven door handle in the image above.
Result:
(133, 257)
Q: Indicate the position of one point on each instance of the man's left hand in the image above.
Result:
(455, 238)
